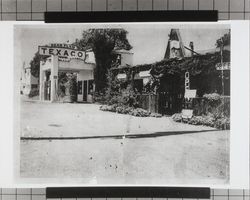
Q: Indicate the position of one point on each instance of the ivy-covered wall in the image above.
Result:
(203, 74)
(168, 78)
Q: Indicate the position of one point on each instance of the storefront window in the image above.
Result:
(90, 87)
(79, 87)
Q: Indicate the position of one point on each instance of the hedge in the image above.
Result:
(138, 112)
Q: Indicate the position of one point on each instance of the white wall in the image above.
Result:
(75, 64)
(90, 57)
(47, 64)
(27, 81)
(85, 75)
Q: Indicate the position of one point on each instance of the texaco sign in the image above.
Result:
(66, 53)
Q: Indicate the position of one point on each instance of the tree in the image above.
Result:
(35, 64)
(62, 80)
(72, 87)
(224, 40)
(103, 42)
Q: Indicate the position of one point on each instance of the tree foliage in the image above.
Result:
(203, 74)
(224, 40)
(120, 91)
(72, 86)
(35, 64)
(103, 42)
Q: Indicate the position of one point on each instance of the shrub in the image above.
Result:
(196, 120)
(73, 88)
(223, 123)
(212, 104)
(209, 120)
(105, 108)
(111, 108)
(34, 92)
(117, 99)
(123, 109)
(138, 112)
(100, 98)
(212, 110)
(212, 97)
(157, 115)
(176, 117)
(129, 97)
(202, 120)
(125, 97)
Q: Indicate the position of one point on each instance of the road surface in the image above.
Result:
(81, 143)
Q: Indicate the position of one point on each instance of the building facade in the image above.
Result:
(68, 59)
(28, 81)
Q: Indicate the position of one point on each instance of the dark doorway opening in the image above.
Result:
(85, 93)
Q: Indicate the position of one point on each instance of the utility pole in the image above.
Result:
(222, 76)
(222, 70)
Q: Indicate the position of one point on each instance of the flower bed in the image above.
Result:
(211, 104)
(220, 123)
(211, 110)
(138, 112)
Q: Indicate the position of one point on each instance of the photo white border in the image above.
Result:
(239, 133)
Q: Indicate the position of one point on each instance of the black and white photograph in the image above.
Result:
(123, 104)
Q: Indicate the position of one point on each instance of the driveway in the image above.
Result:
(86, 120)
(81, 143)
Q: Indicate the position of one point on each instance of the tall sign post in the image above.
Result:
(222, 69)
(187, 112)
(54, 78)
(222, 74)
(222, 66)
(187, 82)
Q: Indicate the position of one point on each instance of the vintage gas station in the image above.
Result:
(65, 58)
(69, 59)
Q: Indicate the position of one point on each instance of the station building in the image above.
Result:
(67, 58)
(28, 81)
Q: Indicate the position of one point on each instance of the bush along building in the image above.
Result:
(186, 81)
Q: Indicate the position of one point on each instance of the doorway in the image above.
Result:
(47, 86)
(85, 92)
(85, 89)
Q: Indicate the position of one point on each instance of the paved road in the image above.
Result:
(153, 151)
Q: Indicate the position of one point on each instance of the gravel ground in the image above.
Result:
(159, 151)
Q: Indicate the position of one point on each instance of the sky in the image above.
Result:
(149, 41)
